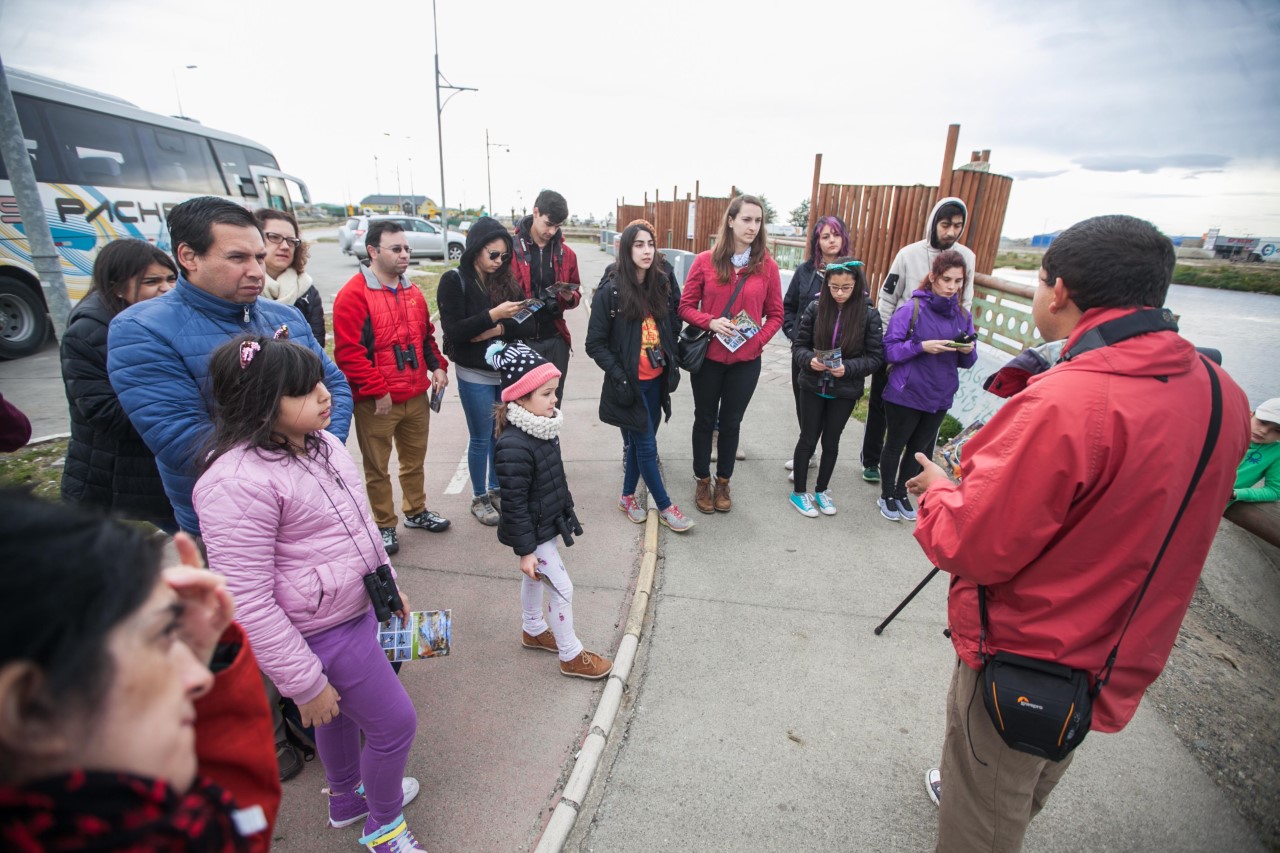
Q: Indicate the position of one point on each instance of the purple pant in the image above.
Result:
(374, 702)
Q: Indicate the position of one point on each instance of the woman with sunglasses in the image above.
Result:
(286, 261)
(836, 345)
(477, 303)
(108, 464)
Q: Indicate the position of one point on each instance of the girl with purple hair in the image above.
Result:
(828, 241)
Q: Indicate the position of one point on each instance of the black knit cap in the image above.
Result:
(522, 369)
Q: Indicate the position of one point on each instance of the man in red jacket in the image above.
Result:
(384, 342)
(542, 261)
(1067, 495)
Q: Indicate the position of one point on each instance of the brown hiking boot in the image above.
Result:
(723, 502)
(545, 641)
(703, 495)
(587, 665)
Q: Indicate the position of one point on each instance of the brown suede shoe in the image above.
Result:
(545, 641)
(703, 495)
(723, 502)
(586, 665)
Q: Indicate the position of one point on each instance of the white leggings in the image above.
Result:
(559, 611)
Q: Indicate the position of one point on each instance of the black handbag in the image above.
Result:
(691, 346)
(1044, 708)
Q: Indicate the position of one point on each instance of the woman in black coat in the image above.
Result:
(837, 344)
(632, 336)
(287, 279)
(108, 464)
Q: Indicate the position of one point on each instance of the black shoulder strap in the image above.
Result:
(1129, 326)
(915, 315)
(742, 279)
(1210, 442)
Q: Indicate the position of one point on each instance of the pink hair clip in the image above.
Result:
(282, 333)
(247, 351)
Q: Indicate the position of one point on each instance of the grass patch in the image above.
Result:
(37, 468)
(950, 429)
(1252, 278)
(860, 409)
(1019, 260)
(323, 240)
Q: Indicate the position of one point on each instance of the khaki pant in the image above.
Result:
(407, 424)
(988, 800)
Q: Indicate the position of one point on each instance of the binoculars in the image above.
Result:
(405, 356)
(382, 592)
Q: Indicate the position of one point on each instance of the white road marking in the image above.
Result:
(460, 478)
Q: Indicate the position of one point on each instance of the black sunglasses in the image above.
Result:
(493, 256)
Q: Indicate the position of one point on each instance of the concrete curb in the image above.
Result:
(588, 759)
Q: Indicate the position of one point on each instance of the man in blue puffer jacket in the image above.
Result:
(158, 350)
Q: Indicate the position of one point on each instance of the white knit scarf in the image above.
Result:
(535, 425)
(288, 287)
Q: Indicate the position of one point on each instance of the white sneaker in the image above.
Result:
(790, 465)
(933, 784)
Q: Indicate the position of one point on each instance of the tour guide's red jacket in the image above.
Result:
(1067, 494)
(368, 321)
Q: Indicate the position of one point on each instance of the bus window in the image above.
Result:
(97, 149)
(179, 161)
(235, 166)
(37, 141)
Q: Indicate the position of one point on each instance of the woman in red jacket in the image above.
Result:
(734, 291)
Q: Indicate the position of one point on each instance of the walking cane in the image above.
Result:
(907, 600)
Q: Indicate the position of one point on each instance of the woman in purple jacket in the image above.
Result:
(928, 340)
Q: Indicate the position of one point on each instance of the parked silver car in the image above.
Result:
(423, 237)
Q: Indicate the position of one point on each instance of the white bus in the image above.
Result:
(107, 169)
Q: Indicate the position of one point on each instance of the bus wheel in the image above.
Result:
(24, 325)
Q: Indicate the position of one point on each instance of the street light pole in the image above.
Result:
(444, 205)
(176, 90)
(488, 173)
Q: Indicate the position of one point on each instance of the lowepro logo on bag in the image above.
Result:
(1027, 703)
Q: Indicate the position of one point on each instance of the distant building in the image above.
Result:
(1042, 241)
(418, 204)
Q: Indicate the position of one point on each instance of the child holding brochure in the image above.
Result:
(536, 505)
(286, 521)
(837, 345)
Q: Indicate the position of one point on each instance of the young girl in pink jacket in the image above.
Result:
(285, 519)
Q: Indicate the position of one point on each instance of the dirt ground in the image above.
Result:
(1219, 692)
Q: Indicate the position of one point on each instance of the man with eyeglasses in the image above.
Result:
(547, 269)
(384, 341)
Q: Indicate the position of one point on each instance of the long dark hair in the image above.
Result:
(119, 263)
(501, 284)
(73, 577)
(852, 314)
(722, 252)
(247, 394)
(637, 300)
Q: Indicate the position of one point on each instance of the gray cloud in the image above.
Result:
(1147, 164)
(1032, 175)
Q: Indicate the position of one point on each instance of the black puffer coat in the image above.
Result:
(536, 504)
(312, 309)
(108, 465)
(856, 364)
(613, 342)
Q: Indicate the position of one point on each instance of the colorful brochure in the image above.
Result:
(744, 329)
(530, 305)
(830, 358)
(426, 634)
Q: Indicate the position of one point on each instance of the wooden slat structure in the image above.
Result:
(882, 218)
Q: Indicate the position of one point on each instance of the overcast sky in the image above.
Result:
(1167, 110)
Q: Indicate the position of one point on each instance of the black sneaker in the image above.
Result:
(933, 784)
(289, 761)
(389, 541)
(427, 520)
(905, 509)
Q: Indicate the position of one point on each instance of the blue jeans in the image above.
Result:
(478, 401)
(642, 448)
